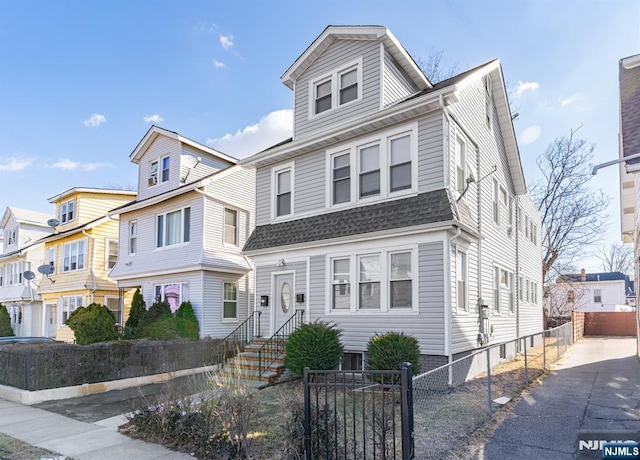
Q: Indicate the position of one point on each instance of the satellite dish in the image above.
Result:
(53, 222)
(45, 269)
(29, 275)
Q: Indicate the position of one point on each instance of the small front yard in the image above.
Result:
(14, 449)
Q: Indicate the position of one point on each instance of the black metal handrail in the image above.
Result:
(235, 342)
(269, 352)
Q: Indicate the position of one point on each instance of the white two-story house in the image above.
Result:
(181, 239)
(398, 205)
(22, 253)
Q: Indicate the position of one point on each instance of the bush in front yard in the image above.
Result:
(314, 345)
(5, 323)
(137, 315)
(186, 322)
(92, 324)
(388, 351)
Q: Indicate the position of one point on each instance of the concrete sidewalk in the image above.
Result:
(79, 440)
(595, 386)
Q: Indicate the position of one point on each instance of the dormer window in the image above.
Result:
(338, 88)
(165, 169)
(67, 211)
(323, 96)
(153, 173)
(159, 170)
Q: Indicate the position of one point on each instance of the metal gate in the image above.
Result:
(355, 415)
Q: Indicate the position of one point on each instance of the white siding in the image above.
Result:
(207, 165)
(430, 153)
(339, 53)
(310, 183)
(159, 148)
(263, 196)
(396, 84)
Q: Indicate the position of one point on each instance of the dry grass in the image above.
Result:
(14, 449)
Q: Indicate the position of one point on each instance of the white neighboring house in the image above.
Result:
(181, 239)
(22, 252)
(591, 292)
(397, 205)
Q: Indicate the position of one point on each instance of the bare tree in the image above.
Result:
(573, 216)
(432, 67)
(616, 257)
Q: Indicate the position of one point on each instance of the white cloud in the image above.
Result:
(526, 86)
(530, 134)
(218, 64)
(271, 129)
(226, 41)
(70, 165)
(94, 120)
(14, 164)
(155, 118)
(565, 101)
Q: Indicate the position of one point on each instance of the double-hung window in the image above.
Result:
(133, 236)
(341, 284)
(51, 258)
(74, 256)
(11, 236)
(369, 282)
(335, 89)
(341, 177)
(348, 81)
(400, 163)
(380, 281)
(461, 281)
(512, 294)
(111, 253)
(323, 96)
(230, 226)
(230, 301)
(369, 170)
(153, 172)
(283, 183)
(400, 289)
(67, 211)
(173, 227)
(597, 296)
(165, 169)
(69, 304)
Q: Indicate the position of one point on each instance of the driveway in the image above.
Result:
(595, 386)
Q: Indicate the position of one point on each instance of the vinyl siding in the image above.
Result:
(396, 84)
(531, 267)
(208, 164)
(149, 258)
(339, 53)
(263, 196)
(310, 183)
(211, 322)
(159, 148)
(430, 153)
(91, 206)
(464, 324)
(263, 276)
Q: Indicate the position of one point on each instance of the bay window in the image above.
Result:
(172, 293)
(74, 256)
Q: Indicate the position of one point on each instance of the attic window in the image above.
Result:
(335, 89)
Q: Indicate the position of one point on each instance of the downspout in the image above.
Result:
(91, 270)
(517, 275)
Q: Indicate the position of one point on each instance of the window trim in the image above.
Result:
(237, 302)
(385, 279)
(152, 176)
(61, 307)
(334, 77)
(67, 208)
(107, 242)
(119, 318)
(182, 237)
(274, 190)
(383, 139)
(466, 308)
(133, 236)
(52, 261)
(236, 234)
(162, 169)
(85, 259)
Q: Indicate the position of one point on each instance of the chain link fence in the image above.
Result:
(452, 401)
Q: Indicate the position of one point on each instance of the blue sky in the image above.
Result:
(82, 81)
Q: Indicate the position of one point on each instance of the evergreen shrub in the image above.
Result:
(315, 345)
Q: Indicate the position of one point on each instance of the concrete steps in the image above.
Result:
(245, 367)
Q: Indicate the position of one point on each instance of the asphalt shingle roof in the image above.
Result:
(421, 209)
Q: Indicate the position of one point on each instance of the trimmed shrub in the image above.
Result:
(388, 351)
(186, 322)
(5, 323)
(92, 324)
(159, 310)
(164, 329)
(137, 315)
(315, 345)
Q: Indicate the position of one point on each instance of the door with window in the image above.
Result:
(51, 315)
(283, 299)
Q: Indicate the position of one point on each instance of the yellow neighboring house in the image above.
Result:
(80, 255)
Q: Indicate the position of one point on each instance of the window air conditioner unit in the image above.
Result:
(153, 180)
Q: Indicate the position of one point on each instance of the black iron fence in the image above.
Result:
(358, 415)
(44, 366)
(238, 339)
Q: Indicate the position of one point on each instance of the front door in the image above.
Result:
(50, 320)
(283, 299)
